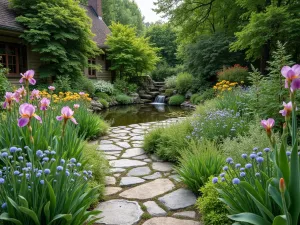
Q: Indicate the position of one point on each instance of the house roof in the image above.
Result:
(99, 28)
(7, 17)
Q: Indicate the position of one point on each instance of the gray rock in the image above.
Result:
(138, 131)
(119, 212)
(145, 96)
(137, 138)
(139, 171)
(124, 144)
(141, 157)
(117, 170)
(105, 142)
(154, 210)
(126, 181)
(162, 166)
(175, 177)
(110, 180)
(112, 153)
(147, 160)
(155, 158)
(133, 152)
(178, 199)
(188, 214)
(149, 190)
(153, 176)
(109, 147)
(169, 221)
(112, 190)
(110, 157)
(125, 163)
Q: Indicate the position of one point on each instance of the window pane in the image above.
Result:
(11, 50)
(2, 49)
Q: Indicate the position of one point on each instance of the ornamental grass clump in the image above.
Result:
(40, 188)
(267, 189)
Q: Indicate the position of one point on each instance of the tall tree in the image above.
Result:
(164, 37)
(130, 55)
(60, 31)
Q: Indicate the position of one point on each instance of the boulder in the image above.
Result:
(96, 106)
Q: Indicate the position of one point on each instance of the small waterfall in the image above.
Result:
(160, 99)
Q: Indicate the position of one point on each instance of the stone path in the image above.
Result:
(142, 189)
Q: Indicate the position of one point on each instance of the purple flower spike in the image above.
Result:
(236, 181)
(28, 77)
(27, 111)
(267, 149)
(253, 156)
(248, 166)
(225, 168)
(242, 174)
(44, 104)
(215, 180)
(238, 165)
(260, 159)
(244, 156)
(66, 114)
(229, 160)
(288, 153)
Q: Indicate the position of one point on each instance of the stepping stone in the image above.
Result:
(141, 157)
(155, 158)
(112, 190)
(147, 160)
(123, 144)
(175, 177)
(120, 131)
(119, 212)
(105, 142)
(153, 176)
(188, 214)
(138, 131)
(154, 210)
(110, 157)
(137, 138)
(109, 147)
(117, 174)
(112, 153)
(137, 145)
(139, 171)
(169, 221)
(126, 181)
(178, 199)
(137, 142)
(133, 134)
(124, 138)
(133, 152)
(162, 166)
(117, 170)
(118, 135)
(125, 163)
(110, 180)
(149, 190)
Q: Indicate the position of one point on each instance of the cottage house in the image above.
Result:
(18, 57)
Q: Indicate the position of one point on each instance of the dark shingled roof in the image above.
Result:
(7, 17)
(99, 28)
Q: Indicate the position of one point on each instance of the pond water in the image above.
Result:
(132, 114)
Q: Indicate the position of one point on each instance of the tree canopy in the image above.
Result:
(60, 31)
(130, 55)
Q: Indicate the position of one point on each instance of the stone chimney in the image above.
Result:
(97, 6)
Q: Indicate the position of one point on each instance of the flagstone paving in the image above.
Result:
(141, 189)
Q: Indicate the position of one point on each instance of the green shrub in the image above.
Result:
(123, 99)
(170, 82)
(237, 73)
(193, 98)
(95, 161)
(105, 96)
(212, 210)
(162, 71)
(207, 106)
(184, 82)
(104, 103)
(4, 83)
(83, 83)
(124, 87)
(168, 142)
(169, 92)
(90, 124)
(62, 84)
(199, 161)
(104, 86)
(176, 100)
(201, 98)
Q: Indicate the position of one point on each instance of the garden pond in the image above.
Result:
(133, 114)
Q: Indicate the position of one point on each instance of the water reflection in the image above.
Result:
(132, 114)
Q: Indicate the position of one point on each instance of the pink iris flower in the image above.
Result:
(44, 104)
(35, 94)
(290, 74)
(27, 111)
(66, 114)
(268, 124)
(9, 97)
(20, 93)
(76, 106)
(288, 108)
(51, 88)
(28, 77)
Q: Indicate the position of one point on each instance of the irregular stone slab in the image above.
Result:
(126, 181)
(175, 177)
(141, 157)
(137, 145)
(119, 212)
(133, 134)
(117, 170)
(110, 157)
(124, 137)
(149, 190)
(137, 142)
(105, 142)
(147, 160)
(118, 135)
(125, 163)
(112, 153)
(154, 210)
(117, 174)
(178, 199)
(162, 166)
(133, 152)
(109, 147)
(169, 221)
(110, 180)
(112, 190)
(153, 176)
(188, 214)
(137, 138)
(139, 171)
(120, 131)
(124, 144)
(138, 131)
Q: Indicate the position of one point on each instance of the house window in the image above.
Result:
(92, 71)
(13, 57)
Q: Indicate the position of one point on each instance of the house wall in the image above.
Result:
(103, 74)
(33, 61)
